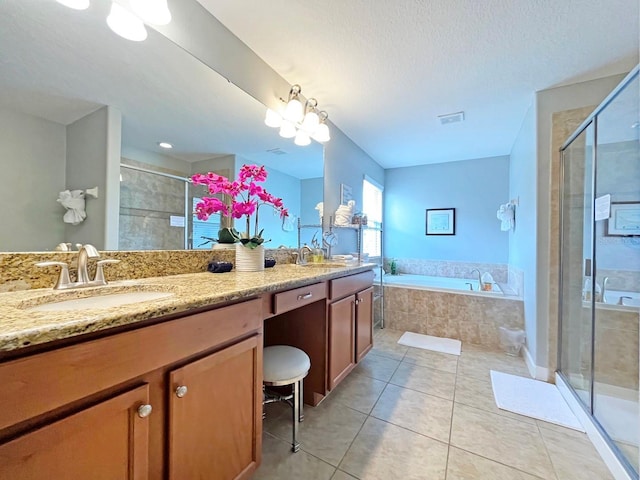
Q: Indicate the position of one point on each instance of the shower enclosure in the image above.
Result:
(600, 269)
(156, 212)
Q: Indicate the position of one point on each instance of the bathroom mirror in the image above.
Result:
(64, 75)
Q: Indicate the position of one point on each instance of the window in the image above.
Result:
(372, 208)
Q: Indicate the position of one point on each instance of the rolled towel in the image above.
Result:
(74, 202)
(506, 215)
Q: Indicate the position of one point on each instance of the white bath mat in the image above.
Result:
(532, 398)
(427, 342)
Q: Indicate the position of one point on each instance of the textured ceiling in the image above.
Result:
(384, 70)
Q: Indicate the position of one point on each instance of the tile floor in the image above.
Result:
(406, 413)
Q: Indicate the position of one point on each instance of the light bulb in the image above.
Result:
(126, 24)
(287, 129)
(154, 12)
(273, 119)
(75, 4)
(310, 122)
(294, 111)
(302, 139)
(321, 134)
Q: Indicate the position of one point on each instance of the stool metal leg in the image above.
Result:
(301, 401)
(295, 446)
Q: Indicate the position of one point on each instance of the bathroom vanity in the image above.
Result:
(169, 388)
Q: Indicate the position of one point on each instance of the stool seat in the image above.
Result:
(284, 365)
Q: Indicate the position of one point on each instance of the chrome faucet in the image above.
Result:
(86, 252)
(301, 253)
(479, 278)
(604, 289)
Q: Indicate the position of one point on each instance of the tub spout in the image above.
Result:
(479, 278)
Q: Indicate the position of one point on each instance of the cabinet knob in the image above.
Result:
(181, 391)
(144, 411)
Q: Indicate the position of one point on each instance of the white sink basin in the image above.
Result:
(100, 301)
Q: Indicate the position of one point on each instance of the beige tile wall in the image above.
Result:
(445, 268)
(470, 318)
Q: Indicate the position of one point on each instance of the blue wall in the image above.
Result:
(475, 188)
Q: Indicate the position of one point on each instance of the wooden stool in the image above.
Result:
(286, 365)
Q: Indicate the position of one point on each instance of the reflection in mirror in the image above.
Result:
(77, 101)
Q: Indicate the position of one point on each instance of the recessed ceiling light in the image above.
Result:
(635, 125)
(165, 145)
(451, 118)
(75, 4)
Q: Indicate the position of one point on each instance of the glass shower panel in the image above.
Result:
(576, 333)
(152, 211)
(617, 264)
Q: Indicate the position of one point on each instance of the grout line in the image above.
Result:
(546, 450)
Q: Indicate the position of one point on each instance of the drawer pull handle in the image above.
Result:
(306, 296)
(144, 411)
(181, 391)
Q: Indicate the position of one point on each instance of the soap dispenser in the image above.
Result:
(586, 290)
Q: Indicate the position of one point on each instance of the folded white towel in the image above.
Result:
(74, 202)
(507, 217)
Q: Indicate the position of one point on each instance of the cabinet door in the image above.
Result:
(341, 339)
(215, 423)
(364, 323)
(108, 441)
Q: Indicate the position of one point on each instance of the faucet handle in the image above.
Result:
(63, 280)
(99, 278)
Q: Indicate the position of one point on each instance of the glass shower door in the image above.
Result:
(617, 264)
(576, 343)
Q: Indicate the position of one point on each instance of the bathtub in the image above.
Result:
(442, 284)
(446, 307)
(619, 297)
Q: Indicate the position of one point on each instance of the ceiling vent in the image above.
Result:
(451, 118)
(277, 151)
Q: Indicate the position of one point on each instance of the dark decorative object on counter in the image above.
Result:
(219, 267)
(269, 262)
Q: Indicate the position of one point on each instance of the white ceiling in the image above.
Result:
(384, 70)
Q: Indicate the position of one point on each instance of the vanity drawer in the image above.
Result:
(341, 287)
(298, 297)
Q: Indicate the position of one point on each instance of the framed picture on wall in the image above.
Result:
(624, 219)
(441, 221)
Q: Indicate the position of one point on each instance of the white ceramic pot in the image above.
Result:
(249, 259)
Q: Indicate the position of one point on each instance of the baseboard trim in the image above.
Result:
(597, 439)
(536, 371)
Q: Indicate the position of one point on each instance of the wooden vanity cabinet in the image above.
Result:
(350, 324)
(74, 412)
(109, 440)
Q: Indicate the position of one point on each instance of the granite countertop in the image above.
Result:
(21, 327)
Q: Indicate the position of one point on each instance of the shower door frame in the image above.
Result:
(592, 119)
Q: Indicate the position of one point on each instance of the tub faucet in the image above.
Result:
(479, 278)
(604, 289)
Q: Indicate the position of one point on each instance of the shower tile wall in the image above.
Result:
(470, 318)
(146, 203)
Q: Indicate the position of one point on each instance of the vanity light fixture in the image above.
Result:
(166, 145)
(75, 4)
(300, 122)
(128, 18)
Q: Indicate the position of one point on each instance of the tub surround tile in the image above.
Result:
(382, 451)
(415, 411)
(514, 443)
(463, 465)
(444, 268)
